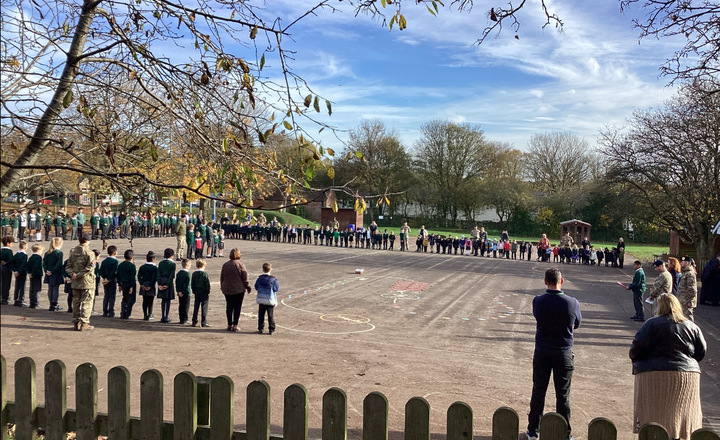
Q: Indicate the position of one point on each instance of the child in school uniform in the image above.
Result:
(200, 286)
(182, 285)
(126, 273)
(391, 237)
(166, 287)
(198, 245)
(34, 269)
(190, 241)
(147, 277)
(19, 261)
(96, 270)
(266, 287)
(221, 243)
(108, 278)
(6, 257)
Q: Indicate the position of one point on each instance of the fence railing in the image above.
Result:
(203, 409)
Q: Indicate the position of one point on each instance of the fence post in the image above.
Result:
(257, 411)
(653, 431)
(55, 400)
(86, 379)
(704, 434)
(118, 403)
(222, 404)
(601, 428)
(334, 415)
(203, 400)
(459, 422)
(25, 394)
(553, 426)
(151, 405)
(295, 416)
(505, 424)
(3, 393)
(417, 419)
(185, 403)
(375, 416)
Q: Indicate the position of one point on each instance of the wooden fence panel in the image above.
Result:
(203, 400)
(704, 434)
(257, 411)
(459, 421)
(118, 404)
(295, 416)
(375, 416)
(151, 405)
(417, 419)
(334, 415)
(86, 385)
(55, 400)
(601, 428)
(652, 431)
(553, 426)
(185, 406)
(505, 424)
(222, 407)
(25, 395)
(3, 396)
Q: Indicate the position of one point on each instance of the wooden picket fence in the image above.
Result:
(203, 409)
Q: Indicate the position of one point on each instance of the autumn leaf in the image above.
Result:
(308, 101)
(331, 173)
(67, 100)
(253, 32)
(329, 107)
(287, 125)
(316, 104)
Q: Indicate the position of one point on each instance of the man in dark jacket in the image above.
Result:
(557, 315)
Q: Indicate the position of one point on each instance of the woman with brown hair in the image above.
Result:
(673, 266)
(234, 284)
(665, 355)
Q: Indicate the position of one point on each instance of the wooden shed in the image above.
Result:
(578, 229)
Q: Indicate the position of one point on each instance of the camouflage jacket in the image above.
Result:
(687, 288)
(663, 284)
(81, 262)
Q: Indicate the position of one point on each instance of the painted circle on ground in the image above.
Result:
(348, 319)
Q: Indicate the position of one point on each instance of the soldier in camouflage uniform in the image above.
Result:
(81, 268)
(663, 284)
(687, 288)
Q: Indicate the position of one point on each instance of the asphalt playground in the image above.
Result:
(445, 327)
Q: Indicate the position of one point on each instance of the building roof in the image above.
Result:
(573, 221)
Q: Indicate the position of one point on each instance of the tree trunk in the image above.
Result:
(46, 124)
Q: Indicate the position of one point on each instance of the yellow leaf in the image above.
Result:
(387, 201)
(335, 207)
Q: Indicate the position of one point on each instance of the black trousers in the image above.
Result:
(183, 307)
(261, 317)
(129, 295)
(561, 365)
(19, 293)
(6, 275)
(110, 290)
(35, 289)
(638, 303)
(201, 302)
(233, 304)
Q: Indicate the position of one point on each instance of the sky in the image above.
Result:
(591, 75)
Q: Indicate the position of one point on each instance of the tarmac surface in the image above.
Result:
(447, 328)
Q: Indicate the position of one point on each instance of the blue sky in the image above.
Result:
(591, 75)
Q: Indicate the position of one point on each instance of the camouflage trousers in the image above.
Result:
(82, 304)
(689, 312)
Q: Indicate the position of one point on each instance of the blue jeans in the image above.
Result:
(561, 365)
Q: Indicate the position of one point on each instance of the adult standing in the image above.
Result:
(687, 288)
(663, 284)
(181, 236)
(81, 268)
(665, 355)
(335, 224)
(234, 285)
(638, 289)
(557, 315)
(404, 234)
(23, 223)
(673, 267)
(53, 262)
(710, 292)
(543, 244)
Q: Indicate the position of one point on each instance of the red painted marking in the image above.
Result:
(412, 286)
